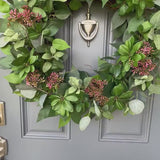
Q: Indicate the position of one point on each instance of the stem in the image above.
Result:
(136, 94)
(39, 89)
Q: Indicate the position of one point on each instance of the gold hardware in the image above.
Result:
(3, 147)
(2, 115)
(88, 28)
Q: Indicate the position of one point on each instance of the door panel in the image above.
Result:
(29, 140)
(128, 128)
(46, 129)
(86, 58)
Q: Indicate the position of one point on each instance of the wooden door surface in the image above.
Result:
(123, 138)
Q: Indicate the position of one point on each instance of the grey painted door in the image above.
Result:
(124, 138)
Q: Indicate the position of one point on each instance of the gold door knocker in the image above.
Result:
(88, 28)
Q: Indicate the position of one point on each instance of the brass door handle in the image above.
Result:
(3, 147)
(2, 115)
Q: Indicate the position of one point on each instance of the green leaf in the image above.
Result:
(155, 20)
(60, 44)
(74, 73)
(68, 106)
(127, 67)
(136, 47)
(79, 107)
(43, 113)
(62, 88)
(143, 87)
(13, 78)
(58, 55)
(19, 44)
(104, 2)
(39, 11)
(19, 3)
(47, 56)
(42, 99)
(123, 58)
(76, 117)
(116, 70)
(75, 82)
(71, 90)
(54, 102)
(33, 59)
(119, 105)
(3, 42)
(28, 93)
(48, 6)
(107, 115)
(138, 82)
(137, 57)
(126, 95)
(31, 3)
(4, 6)
(97, 111)
(71, 98)
(123, 50)
(154, 89)
(4, 25)
(9, 32)
(129, 43)
(23, 86)
(157, 40)
(60, 0)
(134, 24)
(34, 36)
(157, 2)
(75, 5)
(84, 123)
(19, 61)
(145, 27)
(5, 62)
(118, 90)
(46, 66)
(87, 80)
(62, 13)
(123, 10)
(64, 121)
(59, 108)
(54, 26)
(13, 38)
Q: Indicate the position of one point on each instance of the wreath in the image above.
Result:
(36, 59)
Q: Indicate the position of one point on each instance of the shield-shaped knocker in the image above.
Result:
(88, 28)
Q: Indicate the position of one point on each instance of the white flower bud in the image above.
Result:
(136, 106)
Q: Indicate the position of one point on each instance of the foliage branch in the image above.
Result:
(36, 59)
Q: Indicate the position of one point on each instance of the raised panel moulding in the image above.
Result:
(29, 128)
(128, 129)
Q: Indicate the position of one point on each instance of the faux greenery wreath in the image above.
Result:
(36, 59)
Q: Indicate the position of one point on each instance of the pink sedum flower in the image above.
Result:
(146, 65)
(54, 80)
(27, 18)
(95, 90)
(33, 79)
(146, 49)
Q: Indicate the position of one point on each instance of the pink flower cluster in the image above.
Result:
(33, 79)
(95, 90)
(146, 49)
(27, 18)
(146, 65)
(54, 80)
